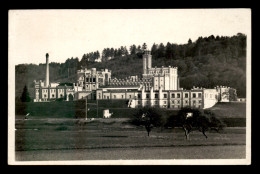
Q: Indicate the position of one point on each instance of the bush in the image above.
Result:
(155, 115)
(148, 117)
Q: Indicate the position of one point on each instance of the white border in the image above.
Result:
(11, 122)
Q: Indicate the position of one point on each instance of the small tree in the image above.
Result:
(148, 117)
(25, 95)
(190, 119)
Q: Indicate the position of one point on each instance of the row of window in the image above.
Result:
(178, 95)
(107, 97)
(52, 96)
(178, 102)
(90, 79)
(158, 72)
(51, 90)
(157, 96)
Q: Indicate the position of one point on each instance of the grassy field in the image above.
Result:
(47, 134)
(53, 128)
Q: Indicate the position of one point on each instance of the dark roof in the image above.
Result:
(67, 84)
(123, 86)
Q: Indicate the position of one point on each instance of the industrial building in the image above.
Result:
(158, 87)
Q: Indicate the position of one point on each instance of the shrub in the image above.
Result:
(148, 117)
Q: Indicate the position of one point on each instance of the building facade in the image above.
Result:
(158, 87)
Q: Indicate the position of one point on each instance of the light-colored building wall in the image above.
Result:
(83, 95)
(210, 97)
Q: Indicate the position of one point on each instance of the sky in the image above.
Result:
(71, 33)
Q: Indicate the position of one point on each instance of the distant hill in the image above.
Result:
(206, 62)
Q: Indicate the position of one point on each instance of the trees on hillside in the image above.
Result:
(92, 57)
(110, 53)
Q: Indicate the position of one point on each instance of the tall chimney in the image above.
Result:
(47, 70)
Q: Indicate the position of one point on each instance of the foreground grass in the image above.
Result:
(50, 134)
(168, 153)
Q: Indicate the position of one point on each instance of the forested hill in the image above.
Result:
(206, 62)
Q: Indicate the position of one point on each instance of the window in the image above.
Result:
(104, 96)
(156, 102)
(147, 95)
(86, 86)
(173, 95)
(178, 101)
(155, 95)
(129, 96)
(107, 97)
(186, 95)
(199, 95)
(93, 86)
(164, 102)
(139, 96)
(139, 102)
(45, 96)
(52, 95)
(165, 95)
(99, 96)
(90, 79)
(114, 96)
(194, 95)
(178, 95)
(122, 96)
(194, 102)
(86, 79)
(94, 79)
(186, 101)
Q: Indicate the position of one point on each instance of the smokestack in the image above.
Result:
(47, 70)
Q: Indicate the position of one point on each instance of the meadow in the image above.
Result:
(55, 128)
